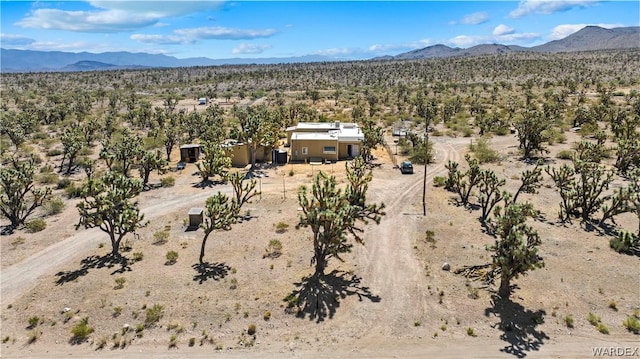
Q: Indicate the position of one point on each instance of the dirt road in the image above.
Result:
(388, 258)
(20, 277)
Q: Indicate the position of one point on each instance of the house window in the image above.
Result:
(329, 150)
(305, 150)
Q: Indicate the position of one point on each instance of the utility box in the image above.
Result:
(196, 216)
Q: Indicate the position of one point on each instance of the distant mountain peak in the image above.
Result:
(588, 38)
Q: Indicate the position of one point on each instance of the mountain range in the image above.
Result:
(587, 39)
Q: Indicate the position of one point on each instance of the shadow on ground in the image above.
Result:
(318, 297)
(206, 271)
(121, 264)
(208, 184)
(518, 326)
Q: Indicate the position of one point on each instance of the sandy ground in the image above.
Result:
(388, 299)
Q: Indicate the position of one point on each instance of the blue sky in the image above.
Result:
(342, 29)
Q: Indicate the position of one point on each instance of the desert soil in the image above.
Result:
(389, 298)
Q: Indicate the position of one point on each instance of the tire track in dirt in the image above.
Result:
(388, 258)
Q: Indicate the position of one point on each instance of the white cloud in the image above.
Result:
(15, 40)
(519, 38)
(159, 9)
(160, 39)
(475, 18)
(192, 35)
(66, 46)
(338, 51)
(86, 21)
(527, 7)
(112, 16)
(503, 30)
(223, 33)
(250, 49)
(509, 38)
(562, 31)
(467, 41)
(472, 19)
(389, 48)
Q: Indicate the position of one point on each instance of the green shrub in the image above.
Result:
(63, 183)
(33, 321)
(292, 300)
(54, 205)
(273, 250)
(593, 319)
(632, 323)
(160, 237)
(568, 321)
(565, 155)
(483, 152)
(251, 330)
(117, 311)
(439, 181)
(54, 152)
(153, 314)
(471, 332)
(40, 135)
(173, 341)
(48, 178)
(120, 282)
(172, 257)
(81, 331)
(602, 328)
(73, 191)
(46, 169)
(36, 225)
(554, 135)
(167, 181)
(623, 242)
(282, 227)
(467, 131)
(137, 256)
(266, 315)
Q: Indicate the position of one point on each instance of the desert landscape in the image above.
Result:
(420, 285)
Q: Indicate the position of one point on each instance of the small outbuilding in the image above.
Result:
(196, 217)
(190, 153)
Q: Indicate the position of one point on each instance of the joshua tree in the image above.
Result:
(149, 162)
(222, 212)
(531, 132)
(107, 205)
(333, 214)
(19, 198)
(515, 251)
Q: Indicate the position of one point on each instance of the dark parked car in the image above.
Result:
(406, 167)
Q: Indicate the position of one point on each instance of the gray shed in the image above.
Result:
(196, 216)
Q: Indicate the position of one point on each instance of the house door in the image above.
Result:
(353, 150)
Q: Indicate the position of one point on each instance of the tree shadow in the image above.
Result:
(208, 184)
(318, 297)
(95, 262)
(206, 271)
(518, 326)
